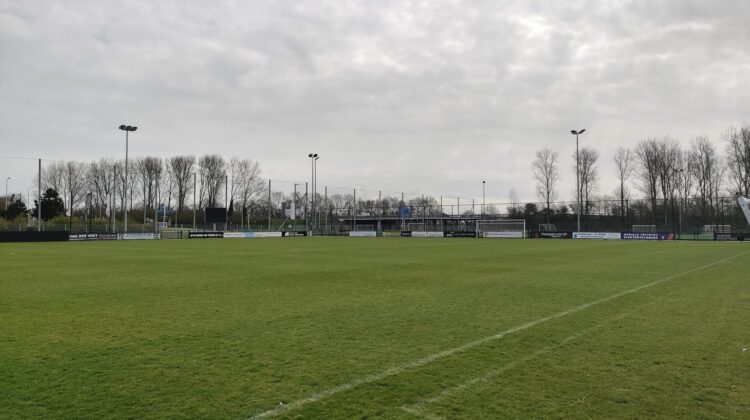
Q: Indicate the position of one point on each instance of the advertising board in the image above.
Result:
(517, 234)
(597, 235)
(648, 236)
(427, 234)
(550, 235)
(460, 234)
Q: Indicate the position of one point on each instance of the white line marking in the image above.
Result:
(418, 409)
(445, 353)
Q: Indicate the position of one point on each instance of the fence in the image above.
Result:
(99, 203)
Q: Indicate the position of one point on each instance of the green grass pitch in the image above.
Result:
(374, 328)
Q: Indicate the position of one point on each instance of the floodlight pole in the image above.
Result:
(6, 192)
(483, 198)
(679, 207)
(313, 168)
(127, 129)
(578, 176)
(195, 187)
(39, 198)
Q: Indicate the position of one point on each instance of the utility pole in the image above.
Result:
(127, 129)
(578, 176)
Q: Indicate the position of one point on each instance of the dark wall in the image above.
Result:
(33, 236)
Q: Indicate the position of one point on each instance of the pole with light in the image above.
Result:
(313, 159)
(678, 172)
(483, 197)
(578, 176)
(127, 129)
(6, 192)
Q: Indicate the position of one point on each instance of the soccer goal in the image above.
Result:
(644, 228)
(717, 229)
(508, 228)
(547, 227)
(417, 227)
(361, 228)
(745, 206)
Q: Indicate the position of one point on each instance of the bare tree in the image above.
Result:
(545, 175)
(53, 177)
(706, 171)
(75, 184)
(684, 176)
(100, 178)
(246, 183)
(589, 175)
(212, 170)
(738, 160)
(669, 151)
(514, 208)
(647, 152)
(149, 171)
(182, 169)
(624, 165)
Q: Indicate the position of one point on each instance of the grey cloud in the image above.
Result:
(421, 96)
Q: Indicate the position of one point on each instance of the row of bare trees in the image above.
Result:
(152, 181)
(660, 169)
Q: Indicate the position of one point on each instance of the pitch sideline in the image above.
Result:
(445, 353)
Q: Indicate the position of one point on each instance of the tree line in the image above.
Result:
(660, 169)
(152, 181)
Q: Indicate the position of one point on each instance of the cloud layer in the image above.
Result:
(429, 96)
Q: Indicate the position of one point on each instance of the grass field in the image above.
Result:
(374, 327)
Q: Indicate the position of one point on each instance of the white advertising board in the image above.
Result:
(597, 235)
(517, 234)
(265, 235)
(427, 234)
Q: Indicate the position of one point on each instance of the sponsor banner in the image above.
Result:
(205, 235)
(238, 235)
(363, 233)
(406, 233)
(93, 237)
(265, 234)
(735, 236)
(137, 236)
(460, 234)
(392, 234)
(597, 235)
(503, 234)
(427, 234)
(648, 236)
(550, 235)
(295, 233)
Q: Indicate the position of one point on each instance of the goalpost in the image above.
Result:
(745, 206)
(644, 228)
(506, 228)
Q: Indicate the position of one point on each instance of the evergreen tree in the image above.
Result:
(52, 205)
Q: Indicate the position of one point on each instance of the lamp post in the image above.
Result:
(127, 129)
(678, 172)
(6, 192)
(313, 159)
(483, 197)
(578, 176)
(195, 185)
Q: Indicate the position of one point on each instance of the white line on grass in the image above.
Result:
(445, 353)
(418, 409)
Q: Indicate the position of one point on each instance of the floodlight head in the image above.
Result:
(309, 155)
(123, 127)
(573, 132)
(581, 131)
(133, 128)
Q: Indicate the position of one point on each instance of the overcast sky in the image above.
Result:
(419, 96)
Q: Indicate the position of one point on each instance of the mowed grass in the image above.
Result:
(355, 327)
